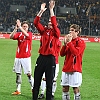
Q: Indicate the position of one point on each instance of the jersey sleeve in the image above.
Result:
(63, 50)
(16, 36)
(55, 26)
(38, 25)
(76, 50)
(30, 36)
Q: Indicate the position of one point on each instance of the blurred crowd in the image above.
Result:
(87, 18)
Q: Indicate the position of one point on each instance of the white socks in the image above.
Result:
(65, 96)
(31, 81)
(77, 96)
(54, 86)
(43, 86)
(19, 87)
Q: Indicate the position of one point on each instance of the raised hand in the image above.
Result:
(51, 4)
(67, 38)
(43, 7)
(18, 23)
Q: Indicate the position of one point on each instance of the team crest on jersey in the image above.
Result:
(48, 33)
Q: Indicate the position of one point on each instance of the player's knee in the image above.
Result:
(65, 89)
(76, 89)
(18, 78)
(28, 74)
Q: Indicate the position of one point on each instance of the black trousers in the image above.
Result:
(44, 63)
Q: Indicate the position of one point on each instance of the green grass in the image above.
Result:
(90, 89)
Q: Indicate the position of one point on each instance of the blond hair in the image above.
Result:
(25, 22)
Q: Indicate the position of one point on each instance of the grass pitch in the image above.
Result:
(90, 89)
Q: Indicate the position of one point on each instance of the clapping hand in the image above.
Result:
(18, 23)
(67, 38)
(43, 7)
(51, 4)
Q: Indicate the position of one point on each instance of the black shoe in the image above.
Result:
(52, 97)
(41, 96)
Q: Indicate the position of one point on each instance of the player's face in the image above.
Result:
(49, 24)
(73, 32)
(25, 27)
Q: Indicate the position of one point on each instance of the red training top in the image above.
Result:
(58, 47)
(48, 36)
(73, 53)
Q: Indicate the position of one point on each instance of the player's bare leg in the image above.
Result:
(77, 95)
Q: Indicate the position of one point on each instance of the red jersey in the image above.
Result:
(73, 53)
(24, 44)
(57, 51)
(48, 36)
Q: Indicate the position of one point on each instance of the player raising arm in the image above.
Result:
(23, 53)
(46, 60)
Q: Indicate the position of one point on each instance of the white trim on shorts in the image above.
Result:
(22, 63)
(73, 79)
